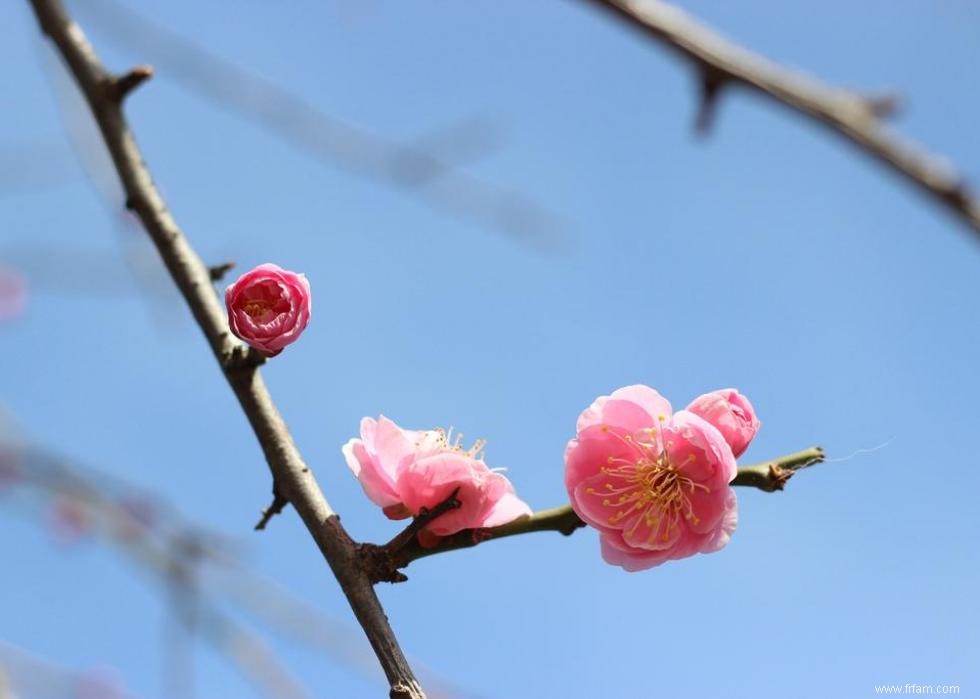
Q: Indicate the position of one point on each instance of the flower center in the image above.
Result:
(651, 490)
(256, 307)
(445, 440)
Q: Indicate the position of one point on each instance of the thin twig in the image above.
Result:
(855, 117)
(276, 507)
(409, 533)
(192, 277)
(218, 272)
(384, 564)
(121, 86)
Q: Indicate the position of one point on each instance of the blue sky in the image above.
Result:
(769, 256)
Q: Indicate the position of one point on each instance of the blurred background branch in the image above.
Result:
(201, 574)
(857, 118)
(430, 168)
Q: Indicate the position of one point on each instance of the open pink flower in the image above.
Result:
(404, 471)
(731, 413)
(269, 307)
(653, 482)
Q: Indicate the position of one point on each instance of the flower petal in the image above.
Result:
(377, 484)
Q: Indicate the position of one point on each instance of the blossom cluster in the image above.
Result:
(655, 483)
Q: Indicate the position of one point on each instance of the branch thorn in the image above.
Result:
(217, 272)
(710, 88)
(274, 508)
(120, 86)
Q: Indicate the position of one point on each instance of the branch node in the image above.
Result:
(419, 522)
(710, 89)
(382, 563)
(242, 358)
(958, 194)
(884, 105)
(571, 527)
(279, 501)
(778, 477)
(120, 86)
(217, 272)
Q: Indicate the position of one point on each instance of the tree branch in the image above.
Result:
(772, 475)
(293, 478)
(854, 117)
(384, 562)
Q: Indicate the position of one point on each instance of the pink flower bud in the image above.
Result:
(269, 307)
(403, 471)
(731, 413)
(653, 482)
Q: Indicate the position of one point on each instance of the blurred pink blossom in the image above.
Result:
(269, 307)
(102, 683)
(70, 520)
(731, 413)
(13, 293)
(404, 471)
(653, 482)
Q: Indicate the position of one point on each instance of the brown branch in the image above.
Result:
(853, 116)
(384, 562)
(291, 474)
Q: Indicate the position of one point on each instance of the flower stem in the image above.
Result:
(768, 476)
(772, 475)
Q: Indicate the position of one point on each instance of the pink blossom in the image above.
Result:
(653, 482)
(269, 307)
(70, 520)
(404, 471)
(731, 413)
(13, 293)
